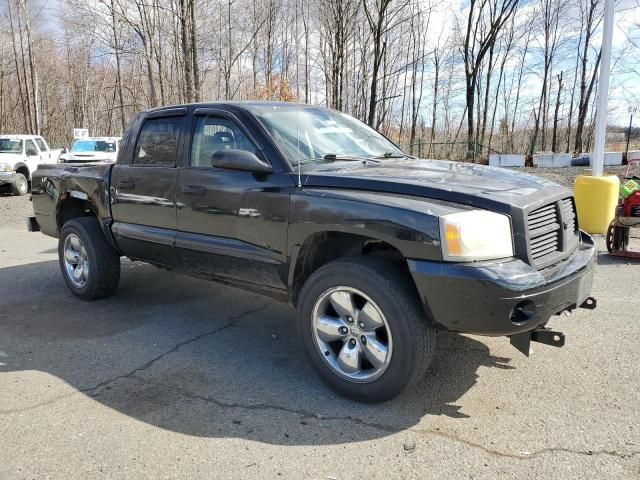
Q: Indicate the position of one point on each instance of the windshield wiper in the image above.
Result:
(332, 157)
(391, 155)
(337, 157)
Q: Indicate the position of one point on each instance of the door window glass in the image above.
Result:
(214, 134)
(158, 142)
(30, 148)
(41, 144)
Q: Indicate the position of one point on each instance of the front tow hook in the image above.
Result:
(522, 341)
(590, 303)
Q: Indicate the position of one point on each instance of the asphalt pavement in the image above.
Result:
(175, 377)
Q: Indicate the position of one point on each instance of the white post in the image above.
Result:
(603, 90)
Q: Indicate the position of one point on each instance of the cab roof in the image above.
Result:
(98, 139)
(237, 103)
(19, 137)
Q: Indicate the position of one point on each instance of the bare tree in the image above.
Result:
(484, 22)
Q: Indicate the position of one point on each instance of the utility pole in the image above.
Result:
(603, 90)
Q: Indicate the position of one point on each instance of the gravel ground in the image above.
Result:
(14, 211)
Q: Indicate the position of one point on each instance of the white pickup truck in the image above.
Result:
(20, 155)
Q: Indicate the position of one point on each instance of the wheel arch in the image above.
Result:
(23, 169)
(322, 247)
(70, 207)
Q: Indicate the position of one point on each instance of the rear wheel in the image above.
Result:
(610, 236)
(363, 330)
(20, 185)
(617, 237)
(90, 266)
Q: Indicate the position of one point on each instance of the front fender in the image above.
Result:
(19, 165)
(408, 224)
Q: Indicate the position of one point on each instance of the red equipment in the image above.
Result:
(627, 216)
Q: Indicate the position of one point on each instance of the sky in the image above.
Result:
(625, 69)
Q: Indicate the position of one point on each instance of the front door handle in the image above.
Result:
(126, 185)
(193, 190)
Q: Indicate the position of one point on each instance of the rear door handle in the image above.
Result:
(193, 190)
(126, 185)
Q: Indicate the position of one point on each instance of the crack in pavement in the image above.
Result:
(93, 391)
(96, 390)
(306, 414)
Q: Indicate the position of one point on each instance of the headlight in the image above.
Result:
(5, 167)
(475, 235)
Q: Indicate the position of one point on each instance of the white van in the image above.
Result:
(20, 155)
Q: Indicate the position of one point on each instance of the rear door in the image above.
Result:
(143, 187)
(231, 224)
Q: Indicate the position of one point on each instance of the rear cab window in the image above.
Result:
(41, 144)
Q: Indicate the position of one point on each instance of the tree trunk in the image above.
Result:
(194, 53)
(116, 48)
(554, 138)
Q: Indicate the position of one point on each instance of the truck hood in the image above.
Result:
(11, 158)
(88, 157)
(471, 184)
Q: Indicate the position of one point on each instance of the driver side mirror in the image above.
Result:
(63, 150)
(240, 160)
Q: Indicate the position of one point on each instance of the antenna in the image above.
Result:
(298, 146)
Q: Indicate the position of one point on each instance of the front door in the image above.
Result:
(143, 189)
(32, 156)
(45, 154)
(231, 224)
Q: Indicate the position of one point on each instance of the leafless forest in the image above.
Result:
(443, 78)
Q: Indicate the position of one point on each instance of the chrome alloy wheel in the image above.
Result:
(76, 261)
(352, 334)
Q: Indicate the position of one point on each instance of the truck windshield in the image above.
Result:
(93, 146)
(313, 134)
(9, 145)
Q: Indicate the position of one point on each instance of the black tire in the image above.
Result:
(617, 237)
(104, 261)
(395, 295)
(20, 185)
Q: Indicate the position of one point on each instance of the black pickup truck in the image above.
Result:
(377, 250)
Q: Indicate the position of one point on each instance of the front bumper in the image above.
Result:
(7, 178)
(503, 298)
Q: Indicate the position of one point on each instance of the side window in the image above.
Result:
(158, 142)
(213, 134)
(30, 148)
(42, 145)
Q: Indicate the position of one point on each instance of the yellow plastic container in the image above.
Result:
(596, 200)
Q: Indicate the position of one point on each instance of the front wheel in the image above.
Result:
(363, 329)
(20, 185)
(90, 266)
